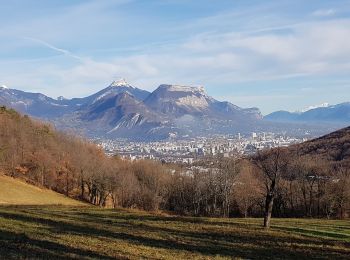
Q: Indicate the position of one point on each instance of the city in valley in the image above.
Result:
(172, 129)
(192, 149)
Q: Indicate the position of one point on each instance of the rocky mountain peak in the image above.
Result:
(61, 98)
(182, 88)
(120, 83)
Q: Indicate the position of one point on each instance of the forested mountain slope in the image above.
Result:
(40, 155)
(333, 147)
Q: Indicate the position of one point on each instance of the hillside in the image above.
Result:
(44, 157)
(333, 147)
(17, 192)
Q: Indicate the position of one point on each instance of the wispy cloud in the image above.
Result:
(324, 12)
(241, 44)
(52, 47)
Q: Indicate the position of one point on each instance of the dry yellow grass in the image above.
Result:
(71, 232)
(65, 232)
(17, 192)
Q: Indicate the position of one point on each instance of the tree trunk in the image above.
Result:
(291, 198)
(42, 176)
(268, 209)
(82, 187)
(67, 184)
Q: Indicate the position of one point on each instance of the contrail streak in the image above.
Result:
(52, 47)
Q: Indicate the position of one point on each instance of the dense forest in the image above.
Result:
(306, 180)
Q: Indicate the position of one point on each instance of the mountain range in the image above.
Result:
(324, 113)
(170, 111)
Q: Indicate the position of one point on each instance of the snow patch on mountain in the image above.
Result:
(177, 88)
(116, 87)
(129, 121)
(313, 107)
(42, 97)
(57, 105)
(187, 96)
(193, 101)
(120, 83)
(20, 102)
(61, 98)
(111, 91)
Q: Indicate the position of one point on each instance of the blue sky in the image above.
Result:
(286, 54)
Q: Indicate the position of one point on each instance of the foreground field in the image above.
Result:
(91, 233)
(14, 191)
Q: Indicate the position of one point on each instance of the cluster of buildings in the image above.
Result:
(188, 151)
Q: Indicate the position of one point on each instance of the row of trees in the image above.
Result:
(274, 182)
(296, 186)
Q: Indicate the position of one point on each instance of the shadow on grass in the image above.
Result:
(146, 219)
(315, 233)
(209, 243)
(20, 246)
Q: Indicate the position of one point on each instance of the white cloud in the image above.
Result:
(212, 59)
(324, 12)
(252, 45)
(318, 47)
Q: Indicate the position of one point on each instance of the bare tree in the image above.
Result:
(247, 192)
(271, 164)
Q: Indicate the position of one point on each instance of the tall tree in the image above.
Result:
(271, 165)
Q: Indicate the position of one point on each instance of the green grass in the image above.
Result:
(66, 232)
(17, 192)
(73, 230)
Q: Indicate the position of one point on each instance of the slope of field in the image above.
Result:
(92, 233)
(17, 192)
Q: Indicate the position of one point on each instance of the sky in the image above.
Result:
(274, 55)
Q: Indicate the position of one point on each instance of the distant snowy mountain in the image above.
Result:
(120, 113)
(116, 87)
(319, 114)
(169, 110)
(122, 110)
(34, 104)
(177, 101)
(313, 107)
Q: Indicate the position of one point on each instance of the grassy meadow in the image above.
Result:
(68, 232)
(15, 191)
